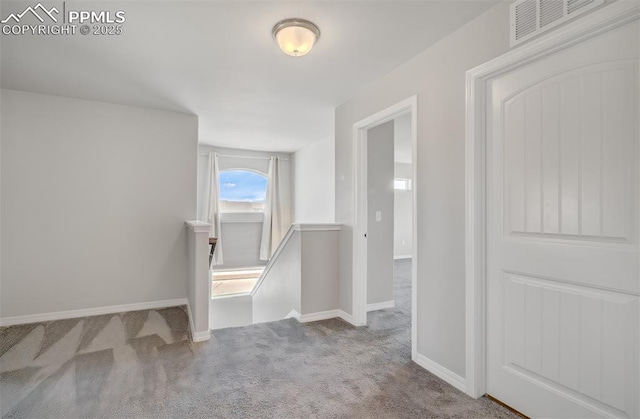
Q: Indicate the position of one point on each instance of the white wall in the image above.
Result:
(403, 200)
(402, 215)
(232, 311)
(380, 200)
(302, 277)
(314, 180)
(241, 244)
(320, 255)
(94, 199)
(437, 75)
(402, 139)
(242, 232)
(280, 290)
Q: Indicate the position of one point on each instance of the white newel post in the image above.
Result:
(198, 287)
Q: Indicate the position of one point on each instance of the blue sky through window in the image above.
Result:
(242, 186)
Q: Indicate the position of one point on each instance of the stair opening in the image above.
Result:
(234, 281)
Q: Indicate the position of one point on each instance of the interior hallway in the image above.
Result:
(141, 365)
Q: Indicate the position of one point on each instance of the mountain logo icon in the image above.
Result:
(38, 11)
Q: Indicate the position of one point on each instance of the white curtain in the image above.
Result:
(212, 205)
(276, 215)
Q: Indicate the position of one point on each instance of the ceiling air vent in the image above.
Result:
(526, 17)
(530, 18)
(550, 12)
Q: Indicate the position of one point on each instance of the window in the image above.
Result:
(242, 191)
(402, 184)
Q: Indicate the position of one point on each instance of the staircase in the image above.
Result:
(300, 280)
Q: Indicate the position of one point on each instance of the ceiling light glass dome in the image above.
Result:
(296, 37)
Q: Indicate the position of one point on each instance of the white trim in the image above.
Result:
(605, 19)
(198, 226)
(320, 315)
(318, 227)
(86, 312)
(200, 336)
(414, 233)
(441, 372)
(359, 268)
(398, 257)
(359, 258)
(381, 306)
(274, 257)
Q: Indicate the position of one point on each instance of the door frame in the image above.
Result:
(605, 19)
(359, 285)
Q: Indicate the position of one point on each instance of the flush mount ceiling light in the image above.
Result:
(295, 37)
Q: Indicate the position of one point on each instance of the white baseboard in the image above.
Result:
(321, 315)
(402, 257)
(324, 315)
(381, 306)
(196, 336)
(346, 317)
(85, 312)
(200, 336)
(441, 372)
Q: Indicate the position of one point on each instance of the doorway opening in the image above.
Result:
(380, 280)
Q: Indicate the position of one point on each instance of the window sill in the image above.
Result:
(241, 217)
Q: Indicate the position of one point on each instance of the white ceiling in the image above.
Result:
(217, 60)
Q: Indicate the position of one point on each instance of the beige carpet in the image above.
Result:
(140, 365)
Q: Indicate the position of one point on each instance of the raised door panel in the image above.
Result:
(574, 340)
(569, 156)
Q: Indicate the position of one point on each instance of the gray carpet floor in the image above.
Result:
(141, 365)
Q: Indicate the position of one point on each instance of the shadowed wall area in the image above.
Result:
(141, 364)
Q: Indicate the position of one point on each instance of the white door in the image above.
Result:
(563, 290)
